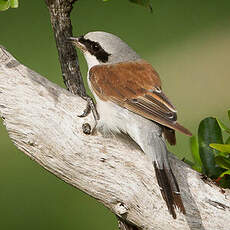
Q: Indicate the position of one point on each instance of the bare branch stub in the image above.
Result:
(60, 20)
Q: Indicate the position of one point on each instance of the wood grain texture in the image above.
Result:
(41, 119)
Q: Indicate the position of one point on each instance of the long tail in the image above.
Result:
(169, 190)
(169, 187)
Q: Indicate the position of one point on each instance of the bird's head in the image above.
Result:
(103, 48)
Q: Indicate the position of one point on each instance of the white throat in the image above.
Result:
(91, 60)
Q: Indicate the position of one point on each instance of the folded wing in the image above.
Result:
(136, 86)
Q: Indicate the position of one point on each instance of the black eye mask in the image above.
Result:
(95, 49)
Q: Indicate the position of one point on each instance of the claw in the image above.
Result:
(91, 107)
(86, 111)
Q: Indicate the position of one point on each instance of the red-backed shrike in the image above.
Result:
(130, 100)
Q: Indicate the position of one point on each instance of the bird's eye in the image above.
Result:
(95, 46)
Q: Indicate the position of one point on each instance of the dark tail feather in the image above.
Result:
(169, 135)
(169, 189)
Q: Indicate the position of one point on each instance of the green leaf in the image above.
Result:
(221, 147)
(223, 162)
(209, 132)
(225, 173)
(223, 126)
(145, 3)
(14, 3)
(4, 5)
(195, 153)
(229, 114)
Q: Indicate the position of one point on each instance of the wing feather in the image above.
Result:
(135, 86)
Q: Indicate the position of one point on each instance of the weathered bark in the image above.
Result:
(41, 119)
(60, 20)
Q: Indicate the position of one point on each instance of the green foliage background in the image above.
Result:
(186, 41)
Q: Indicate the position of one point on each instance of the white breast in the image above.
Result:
(114, 119)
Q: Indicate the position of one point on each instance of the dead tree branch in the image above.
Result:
(41, 119)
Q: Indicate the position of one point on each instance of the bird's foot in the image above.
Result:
(90, 107)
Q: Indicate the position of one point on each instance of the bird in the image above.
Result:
(129, 99)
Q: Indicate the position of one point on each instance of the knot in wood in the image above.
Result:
(86, 128)
(120, 209)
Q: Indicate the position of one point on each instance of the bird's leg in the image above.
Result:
(91, 107)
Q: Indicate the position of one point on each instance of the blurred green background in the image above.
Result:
(188, 42)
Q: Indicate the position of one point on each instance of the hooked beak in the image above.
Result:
(77, 43)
